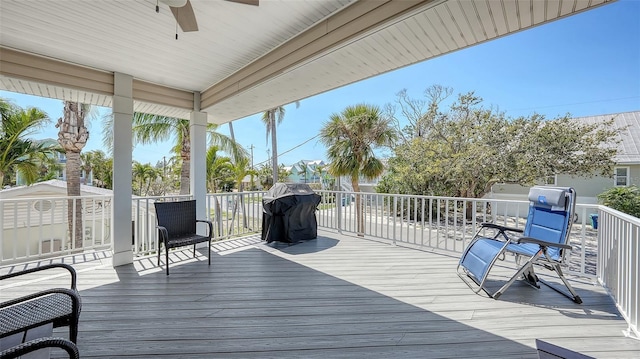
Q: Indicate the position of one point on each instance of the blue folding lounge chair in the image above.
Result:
(542, 242)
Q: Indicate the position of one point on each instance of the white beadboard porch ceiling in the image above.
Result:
(128, 36)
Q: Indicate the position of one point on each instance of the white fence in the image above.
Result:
(446, 223)
(232, 214)
(33, 228)
(618, 258)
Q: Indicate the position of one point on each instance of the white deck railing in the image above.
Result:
(446, 223)
(232, 214)
(618, 258)
(35, 228)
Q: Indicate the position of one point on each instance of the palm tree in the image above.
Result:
(304, 167)
(99, 165)
(73, 136)
(17, 153)
(218, 168)
(350, 138)
(144, 174)
(149, 128)
(271, 118)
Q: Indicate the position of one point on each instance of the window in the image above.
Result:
(621, 176)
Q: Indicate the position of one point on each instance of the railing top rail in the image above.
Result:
(467, 199)
(626, 217)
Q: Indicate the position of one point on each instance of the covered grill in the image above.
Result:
(289, 213)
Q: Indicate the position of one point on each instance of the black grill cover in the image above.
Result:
(289, 213)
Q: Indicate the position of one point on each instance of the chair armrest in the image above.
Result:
(501, 228)
(165, 233)
(542, 243)
(72, 293)
(44, 267)
(209, 224)
(41, 343)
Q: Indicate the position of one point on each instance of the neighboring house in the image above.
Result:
(40, 211)
(625, 173)
(312, 175)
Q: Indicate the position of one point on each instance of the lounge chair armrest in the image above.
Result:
(72, 293)
(209, 223)
(40, 343)
(500, 228)
(69, 268)
(542, 243)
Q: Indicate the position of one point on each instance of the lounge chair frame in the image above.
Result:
(528, 251)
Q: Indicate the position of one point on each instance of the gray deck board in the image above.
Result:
(334, 297)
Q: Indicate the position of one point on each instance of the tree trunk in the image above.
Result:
(185, 169)
(274, 144)
(184, 176)
(358, 204)
(73, 136)
(74, 208)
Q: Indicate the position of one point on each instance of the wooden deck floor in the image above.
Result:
(334, 297)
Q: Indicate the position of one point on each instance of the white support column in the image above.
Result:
(198, 177)
(122, 159)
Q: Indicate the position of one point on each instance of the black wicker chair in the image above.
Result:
(60, 306)
(41, 343)
(177, 227)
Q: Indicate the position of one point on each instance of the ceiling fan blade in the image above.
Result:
(185, 17)
(247, 2)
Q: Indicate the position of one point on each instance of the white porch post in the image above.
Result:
(198, 177)
(122, 158)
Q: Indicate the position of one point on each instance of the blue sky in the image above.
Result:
(587, 64)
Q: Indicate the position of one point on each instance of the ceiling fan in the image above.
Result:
(185, 17)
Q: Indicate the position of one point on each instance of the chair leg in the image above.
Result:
(573, 295)
(528, 266)
(73, 330)
(194, 250)
(209, 248)
(159, 251)
(166, 256)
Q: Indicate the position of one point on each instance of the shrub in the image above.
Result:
(623, 199)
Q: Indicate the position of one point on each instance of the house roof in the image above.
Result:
(244, 59)
(50, 186)
(629, 122)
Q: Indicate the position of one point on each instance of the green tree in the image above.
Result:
(304, 167)
(623, 199)
(219, 169)
(351, 137)
(271, 119)
(101, 166)
(143, 175)
(17, 152)
(283, 173)
(465, 151)
(149, 128)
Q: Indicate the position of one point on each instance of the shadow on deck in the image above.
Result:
(334, 297)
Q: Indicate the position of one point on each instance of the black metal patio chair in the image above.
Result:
(59, 306)
(177, 227)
